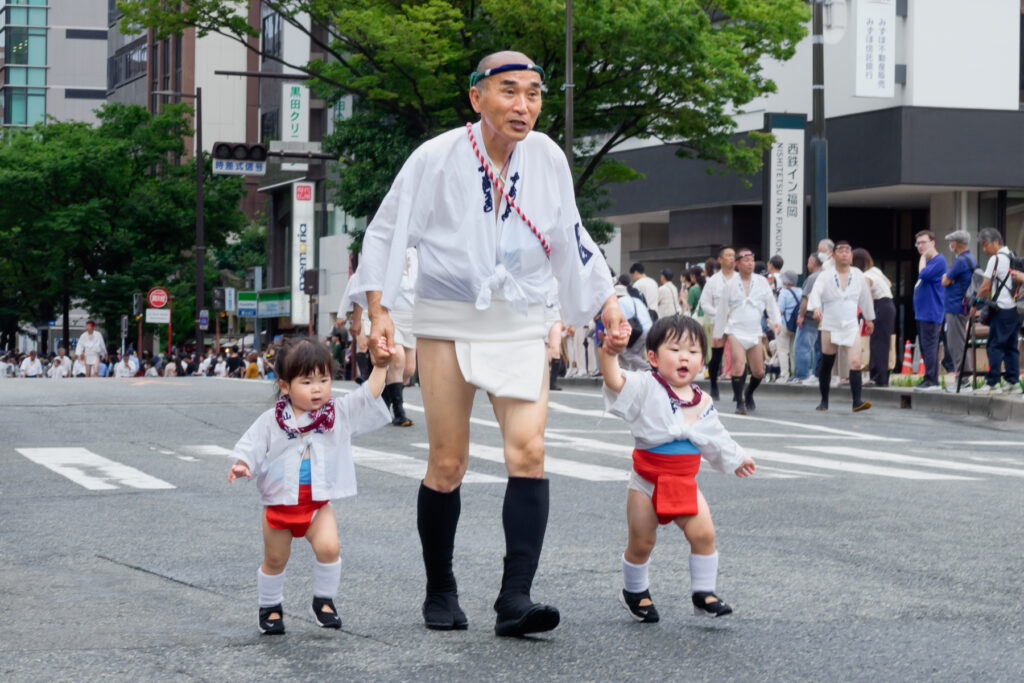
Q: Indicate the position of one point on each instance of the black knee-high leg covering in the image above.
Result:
(825, 378)
(855, 386)
(525, 518)
(437, 518)
(715, 367)
(386, 395)
(737, 388)
(752, 387)
(363, 363)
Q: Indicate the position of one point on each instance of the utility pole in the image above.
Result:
(568, 86)
(819, 145)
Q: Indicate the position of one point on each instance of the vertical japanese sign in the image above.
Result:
(876, 53)
(294, 119)
(783, 190)
(303, 248)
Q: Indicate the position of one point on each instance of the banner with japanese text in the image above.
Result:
(876, 49)
(294, 119)
(783, 193)
(303, 247)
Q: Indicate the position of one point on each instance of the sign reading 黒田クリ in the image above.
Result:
(783, 194)
(876, 48)
(303, 247)
(294, 119)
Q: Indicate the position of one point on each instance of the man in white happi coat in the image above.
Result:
(710, 298)
(485, 267)
(745, 300)
(403, 362)
(837, 294)
(91, 348)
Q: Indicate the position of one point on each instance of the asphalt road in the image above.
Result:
(884, 545)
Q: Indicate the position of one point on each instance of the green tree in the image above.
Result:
(97, 213)
(670, 69)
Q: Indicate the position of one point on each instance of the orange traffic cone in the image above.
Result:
(920, 367)
(908, 360)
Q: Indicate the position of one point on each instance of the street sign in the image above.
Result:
(247, 304)
(158, 297)
(124, 325)
(275, 304)
(226, 167)
(229, 299)
(204, 319)
(159, 316)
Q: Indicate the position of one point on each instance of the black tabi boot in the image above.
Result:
(714, 367)
(397, 405)
(363, 364)
(554, 368)
(437, 518)
(737, 394)
(825, 378)
(748, 396)
(525, 518)
(855, 387)
(386, 395)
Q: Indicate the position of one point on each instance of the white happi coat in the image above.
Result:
(739, 311)
(711, 295)
(91, 347)
(472, 246)
(839, 305)
(400, 311)
(274, 459)
(644, 404)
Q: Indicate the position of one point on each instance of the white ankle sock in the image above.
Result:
(634, 576)
(270, 587)
(326, 578)
(703, 572)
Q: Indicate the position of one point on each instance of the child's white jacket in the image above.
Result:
(644, 404)
(274, 459)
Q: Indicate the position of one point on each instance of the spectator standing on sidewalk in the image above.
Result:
(646, 286)
(806, 345)
(668, 295)
(885, 317)
(928, 310)
(789, 306)
(1005, 324)
(957, 280)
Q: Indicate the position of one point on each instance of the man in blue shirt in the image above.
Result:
(928, 309)
(956, 281)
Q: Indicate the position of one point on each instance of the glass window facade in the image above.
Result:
(23, 76)
(272, 35)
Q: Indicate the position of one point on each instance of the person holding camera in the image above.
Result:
(1004, 323)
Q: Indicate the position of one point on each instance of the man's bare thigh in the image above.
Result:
(448, 404)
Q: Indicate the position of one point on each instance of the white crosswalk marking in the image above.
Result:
(769, 472)
(90, 470)
(552, 465)
(413, 468)
(207, 449)
(915, 460)
(855, 467)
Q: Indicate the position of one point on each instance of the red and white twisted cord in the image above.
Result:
(501, 186)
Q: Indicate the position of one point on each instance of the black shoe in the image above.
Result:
(521, 617)
(716, 608)
(822, 406)
(714, 393)
(741, 408)
(750, 403)
(402, 421)
(647, 614)
(268, 626)
(441, 612)
(325, 619)
(864, 405)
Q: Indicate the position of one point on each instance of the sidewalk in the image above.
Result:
(994, 407)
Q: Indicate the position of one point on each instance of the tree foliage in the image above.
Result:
(669, 69)
(92, 214)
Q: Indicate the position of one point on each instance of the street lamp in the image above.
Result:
(199, 247)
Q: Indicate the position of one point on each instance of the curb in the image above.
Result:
(1002, 408)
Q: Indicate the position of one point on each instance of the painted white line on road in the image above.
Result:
(207, 449)
(188, 458)
(406, 466)
(915, 460)
(552, 465)
(589, 445)
(784, 473)
(815, 428)
(562, 408)
(854, 467)
(588, 394)
(1005, 444)
(92, 471)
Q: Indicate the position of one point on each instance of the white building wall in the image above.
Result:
(224, 98)
(295, 43)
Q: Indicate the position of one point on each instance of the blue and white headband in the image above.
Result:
(477, 76)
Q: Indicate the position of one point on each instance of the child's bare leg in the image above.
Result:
(643, 527)
(323, 536)
(699, 529)
(700, 532)
(277, 548)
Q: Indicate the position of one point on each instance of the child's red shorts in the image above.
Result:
(295, 518)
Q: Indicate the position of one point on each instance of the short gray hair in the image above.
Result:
(829, 244)
(990, 235)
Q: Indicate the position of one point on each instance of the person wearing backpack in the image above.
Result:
(789, 306)
(957, 281)
(1004, 323)
(639, 318)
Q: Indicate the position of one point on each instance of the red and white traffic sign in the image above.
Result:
(158, 297)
